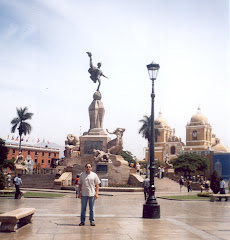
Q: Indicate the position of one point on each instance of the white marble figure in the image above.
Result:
(71, 144)
(115, 146)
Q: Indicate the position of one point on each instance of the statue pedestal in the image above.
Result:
(97, 131)
(90, 142)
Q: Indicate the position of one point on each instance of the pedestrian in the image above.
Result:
(181, 182)
(88, 191)
(138, 166)
(146, 186)
(18, 183)
(77, 185)
(159, 172)
(202, 187)
(162, 171)
(222, 188)
(189, 185)
(8, 179)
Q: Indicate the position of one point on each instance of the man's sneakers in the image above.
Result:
(83, 224)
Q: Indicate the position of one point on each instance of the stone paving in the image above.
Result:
(119, 216)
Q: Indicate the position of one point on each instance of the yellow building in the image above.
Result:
(199, 136)
(167, 145)
(199, 139)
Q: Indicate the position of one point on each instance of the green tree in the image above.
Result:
(189, 163)
(3, 157)
(20, 123)
(215, 182)
(128, 156)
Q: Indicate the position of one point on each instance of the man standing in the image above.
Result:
(181, 182)
(18, 182)
(222, 188)
(88, 190)
(146, 187)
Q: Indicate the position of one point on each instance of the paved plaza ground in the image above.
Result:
(119, 216)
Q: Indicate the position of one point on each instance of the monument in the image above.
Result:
(95, 146)
(95, 138)
(20, 164)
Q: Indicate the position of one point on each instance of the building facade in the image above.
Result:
(200, 139)
(41, 156)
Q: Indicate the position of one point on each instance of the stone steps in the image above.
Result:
(40, 181)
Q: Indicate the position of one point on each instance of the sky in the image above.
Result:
(44, 65)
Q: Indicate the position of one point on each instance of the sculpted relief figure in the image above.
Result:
(19, 163)
(116, 145)
(167, 160)
(71, 144)
(19, 158)
(100, 156)
(95, 72)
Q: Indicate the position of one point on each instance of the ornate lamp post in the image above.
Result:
(151, 209)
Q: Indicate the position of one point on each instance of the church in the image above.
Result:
(199, 139)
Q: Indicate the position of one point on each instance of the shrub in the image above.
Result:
(203, 194)
(2, 181)
(215, 182)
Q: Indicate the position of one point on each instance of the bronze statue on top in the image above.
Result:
(95, 72)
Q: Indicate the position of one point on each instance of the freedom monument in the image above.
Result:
(95, 146)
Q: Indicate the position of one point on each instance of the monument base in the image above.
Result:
(97, 131)
(151, 211)
(90, 142)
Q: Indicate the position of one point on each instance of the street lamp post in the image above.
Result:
(151, 209)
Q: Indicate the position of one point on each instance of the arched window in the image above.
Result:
(173, 150)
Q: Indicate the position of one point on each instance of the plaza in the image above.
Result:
(119, 216)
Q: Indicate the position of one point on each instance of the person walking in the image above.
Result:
(181, 182)
(18, 183)
(162, 172)
(88, 191)
(189, 185)
(146, 186)
(77, 185)
(159, 172)
(222, 188)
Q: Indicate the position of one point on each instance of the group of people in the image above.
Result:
(188, 182)
(204, 184)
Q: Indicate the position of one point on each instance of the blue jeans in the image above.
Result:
(84, 200)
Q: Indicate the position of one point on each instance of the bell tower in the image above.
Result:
(198, 131)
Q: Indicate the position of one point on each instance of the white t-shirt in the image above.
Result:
(88, 183)
(222, 184)
(17, 180)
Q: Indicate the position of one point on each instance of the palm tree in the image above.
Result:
(146, 128)
(20, 123)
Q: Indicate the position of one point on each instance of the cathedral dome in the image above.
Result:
(199, 118)
(220, 148)
(161, 120)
